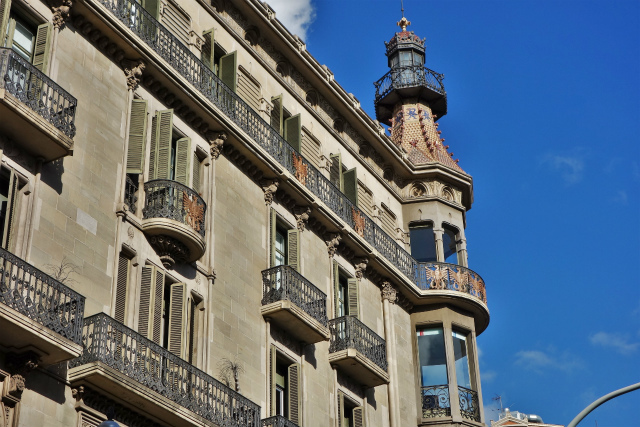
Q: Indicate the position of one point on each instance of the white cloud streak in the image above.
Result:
(296, 15)
(571, 168)
(539, 361)
(617, 342)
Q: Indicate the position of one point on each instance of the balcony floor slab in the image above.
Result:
(293, 319)
(358, 367)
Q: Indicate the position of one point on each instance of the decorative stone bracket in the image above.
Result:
(360, 265)
(389, 292)
(216, 141)
(61, 12)
(269, 186)
(302, 216)
(133, 69)
(332, 240)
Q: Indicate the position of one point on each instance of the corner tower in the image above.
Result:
(451, 309)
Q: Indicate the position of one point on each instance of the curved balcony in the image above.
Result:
(413, 81)
(358, 351)
(173, 218)
(456, 285)
(294, 304)
(37, 113)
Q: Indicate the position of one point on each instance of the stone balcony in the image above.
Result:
(38, 313)
(277, 421)
(173, 219)
(358, 351)
(294, 304)
(136, 372)
(36, 113)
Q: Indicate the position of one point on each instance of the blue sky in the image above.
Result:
(544, 113)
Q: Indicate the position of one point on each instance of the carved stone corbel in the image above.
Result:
(269, 186)
(61, 12)
(302, 216)
(78, 393)
(133, 69)
(389, 292)
(196, 40)
(360, 265)
(332, 240)
(216, 141)
(18, 366)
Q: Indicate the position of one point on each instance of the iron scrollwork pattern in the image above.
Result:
(130, 190)
(37, 91)
(349, 332)
(167, 46)
(40, 297)
(469, 403)
(153, 366)
(451, 277)
(435, 401)
(409, 76)
(172, 200)
(277, 421)
(284, 283)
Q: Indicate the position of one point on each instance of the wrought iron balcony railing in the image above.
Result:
(144, 361)
(349, 332)
(285, 283)
(130, 197)
(40, 297)
(37, 91)
(168, 47)
(170, 199)
(452, 277)
(469, 403)
(435, 401)
(277, 421)
(409, 76)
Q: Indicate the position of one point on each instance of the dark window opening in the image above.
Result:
(423, 243)
(449, 243)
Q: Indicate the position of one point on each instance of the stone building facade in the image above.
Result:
(200, 226)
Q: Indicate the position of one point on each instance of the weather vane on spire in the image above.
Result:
(404, 22)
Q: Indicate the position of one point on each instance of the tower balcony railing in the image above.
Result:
(46, 302)
(469, 403)
(141, 360)
(277, 421)
(449, 277)
(284, 283)
(435, 401)
(168, 47)
(409, 76)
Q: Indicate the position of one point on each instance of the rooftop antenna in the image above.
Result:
(402, 7)
(499, 399)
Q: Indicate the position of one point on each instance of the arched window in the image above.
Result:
(423, 242)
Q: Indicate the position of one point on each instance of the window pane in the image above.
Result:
(462, 361)
(23, 41)
(433, 360)
(423, 243)
(281, 252)
(449, 243)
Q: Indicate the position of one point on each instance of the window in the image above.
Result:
(122, 287)
(285, 386)
(248, 88)
(345, 293)
(433, 358)
(388, 220)
(170, 152)
(365, 199)
(423, 242)
(310, 148)
(30, 40)
(177, 21)
(12, 186)
(285, 248)
(350, 414)
(290, 127)
(223, 65)
(344, 179)
(449, 243)
(163, 311)
(460, 354)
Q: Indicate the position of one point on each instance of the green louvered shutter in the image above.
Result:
(177, 318)
(335, 171)
(293, 131)
(272, 237)
(137, 136)
(350, 185)
(157, 307)
(293, 249)
(276, 113)
(207, 54)
(42, 47)
(195, 173)
(183, 161)
(160, 164)
(145, 313)
(12, 207)
(5, 9)
(358, 416)
(352, 297)
(336, 287)
(341, 419)
(122, 283)
(293, 393)
(153, 7)
(228, 70)
(272, 379)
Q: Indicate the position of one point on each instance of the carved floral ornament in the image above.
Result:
(389, 292)
(133, 71)
(61, 12)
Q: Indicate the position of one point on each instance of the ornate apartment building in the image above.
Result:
(201, 227)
